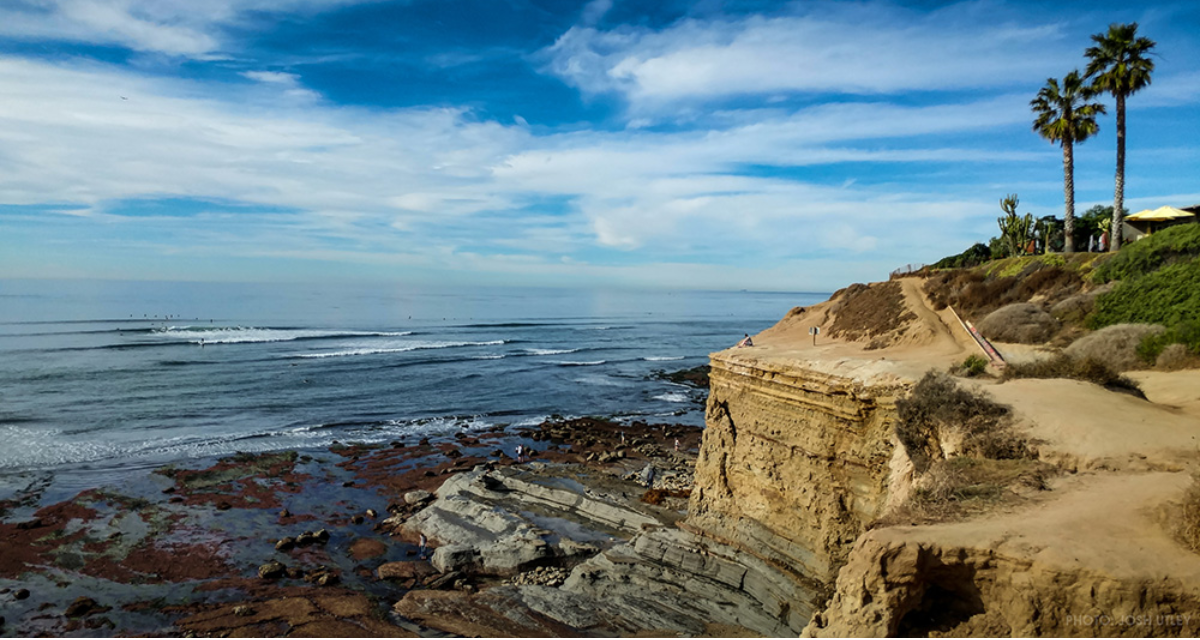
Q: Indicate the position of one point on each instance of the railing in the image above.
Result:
(909, 270)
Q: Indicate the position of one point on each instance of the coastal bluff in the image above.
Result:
(801, 467)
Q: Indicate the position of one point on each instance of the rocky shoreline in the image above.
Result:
(577, 539)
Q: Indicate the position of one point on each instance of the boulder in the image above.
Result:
(272, 570)
(417, 496)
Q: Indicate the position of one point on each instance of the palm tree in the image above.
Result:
(1065, 116)
(1119, 65)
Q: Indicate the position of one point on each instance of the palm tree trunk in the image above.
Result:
(1069, 195)
(1114, 241)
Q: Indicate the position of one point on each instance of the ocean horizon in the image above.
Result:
(101, 377)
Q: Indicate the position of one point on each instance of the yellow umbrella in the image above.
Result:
(1160, 214)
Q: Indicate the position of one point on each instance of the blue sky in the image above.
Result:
(704, 144)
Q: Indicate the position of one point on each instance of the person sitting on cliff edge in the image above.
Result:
(746, 342)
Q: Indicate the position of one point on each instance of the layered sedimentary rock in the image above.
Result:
(795, 463)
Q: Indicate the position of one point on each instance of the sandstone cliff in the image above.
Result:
(800, 467)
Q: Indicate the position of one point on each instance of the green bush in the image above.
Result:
(974, 365)
(1180, 243)
(1186, 333)
(1168, 296)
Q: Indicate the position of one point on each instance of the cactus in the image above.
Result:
(1016, 231)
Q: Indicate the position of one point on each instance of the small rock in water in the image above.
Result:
(21, 594)
(81, 607)
(272, 570)
(285, 544)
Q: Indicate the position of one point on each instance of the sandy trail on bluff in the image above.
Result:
(1125, 462)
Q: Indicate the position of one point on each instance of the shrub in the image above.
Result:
(1118, 347)
(1168, 296)
(974, 365)
(938, 412)
(1180, 243)
(1064, 366)
(1174, 356)
(1021, 322)
(1185, 334)
(1188, 523)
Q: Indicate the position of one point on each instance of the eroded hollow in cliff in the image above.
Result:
(950, 597)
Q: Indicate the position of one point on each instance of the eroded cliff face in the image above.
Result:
(795, 462)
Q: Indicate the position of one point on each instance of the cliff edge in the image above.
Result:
(801, 466)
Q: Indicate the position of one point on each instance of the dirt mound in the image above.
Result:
(1022, 322)
(876, 314)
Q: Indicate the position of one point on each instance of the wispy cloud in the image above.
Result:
(173, 27)
(861, 48)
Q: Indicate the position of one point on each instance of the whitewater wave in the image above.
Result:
(550, 352)
(663, 358)
(416, 346)
(235, 335)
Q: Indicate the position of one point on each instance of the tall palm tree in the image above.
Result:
(1119, 64)
(1065, 116)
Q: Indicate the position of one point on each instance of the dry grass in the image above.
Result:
(939, 415)
(1086, 369)
(1020, 322)
(1187, 525)
(975, 293)
(1115, 346)
(868, 312)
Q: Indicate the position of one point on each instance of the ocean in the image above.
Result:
(98, 378)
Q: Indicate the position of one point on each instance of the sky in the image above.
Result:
(705, 144)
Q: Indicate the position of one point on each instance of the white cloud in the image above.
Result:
(188, 28)
(868, 48)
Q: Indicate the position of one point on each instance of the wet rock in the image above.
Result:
(83, 606)
(417, 496)
(272, 571)
(366, 548)
(21, 594)
(404, 570)
(285, 544)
